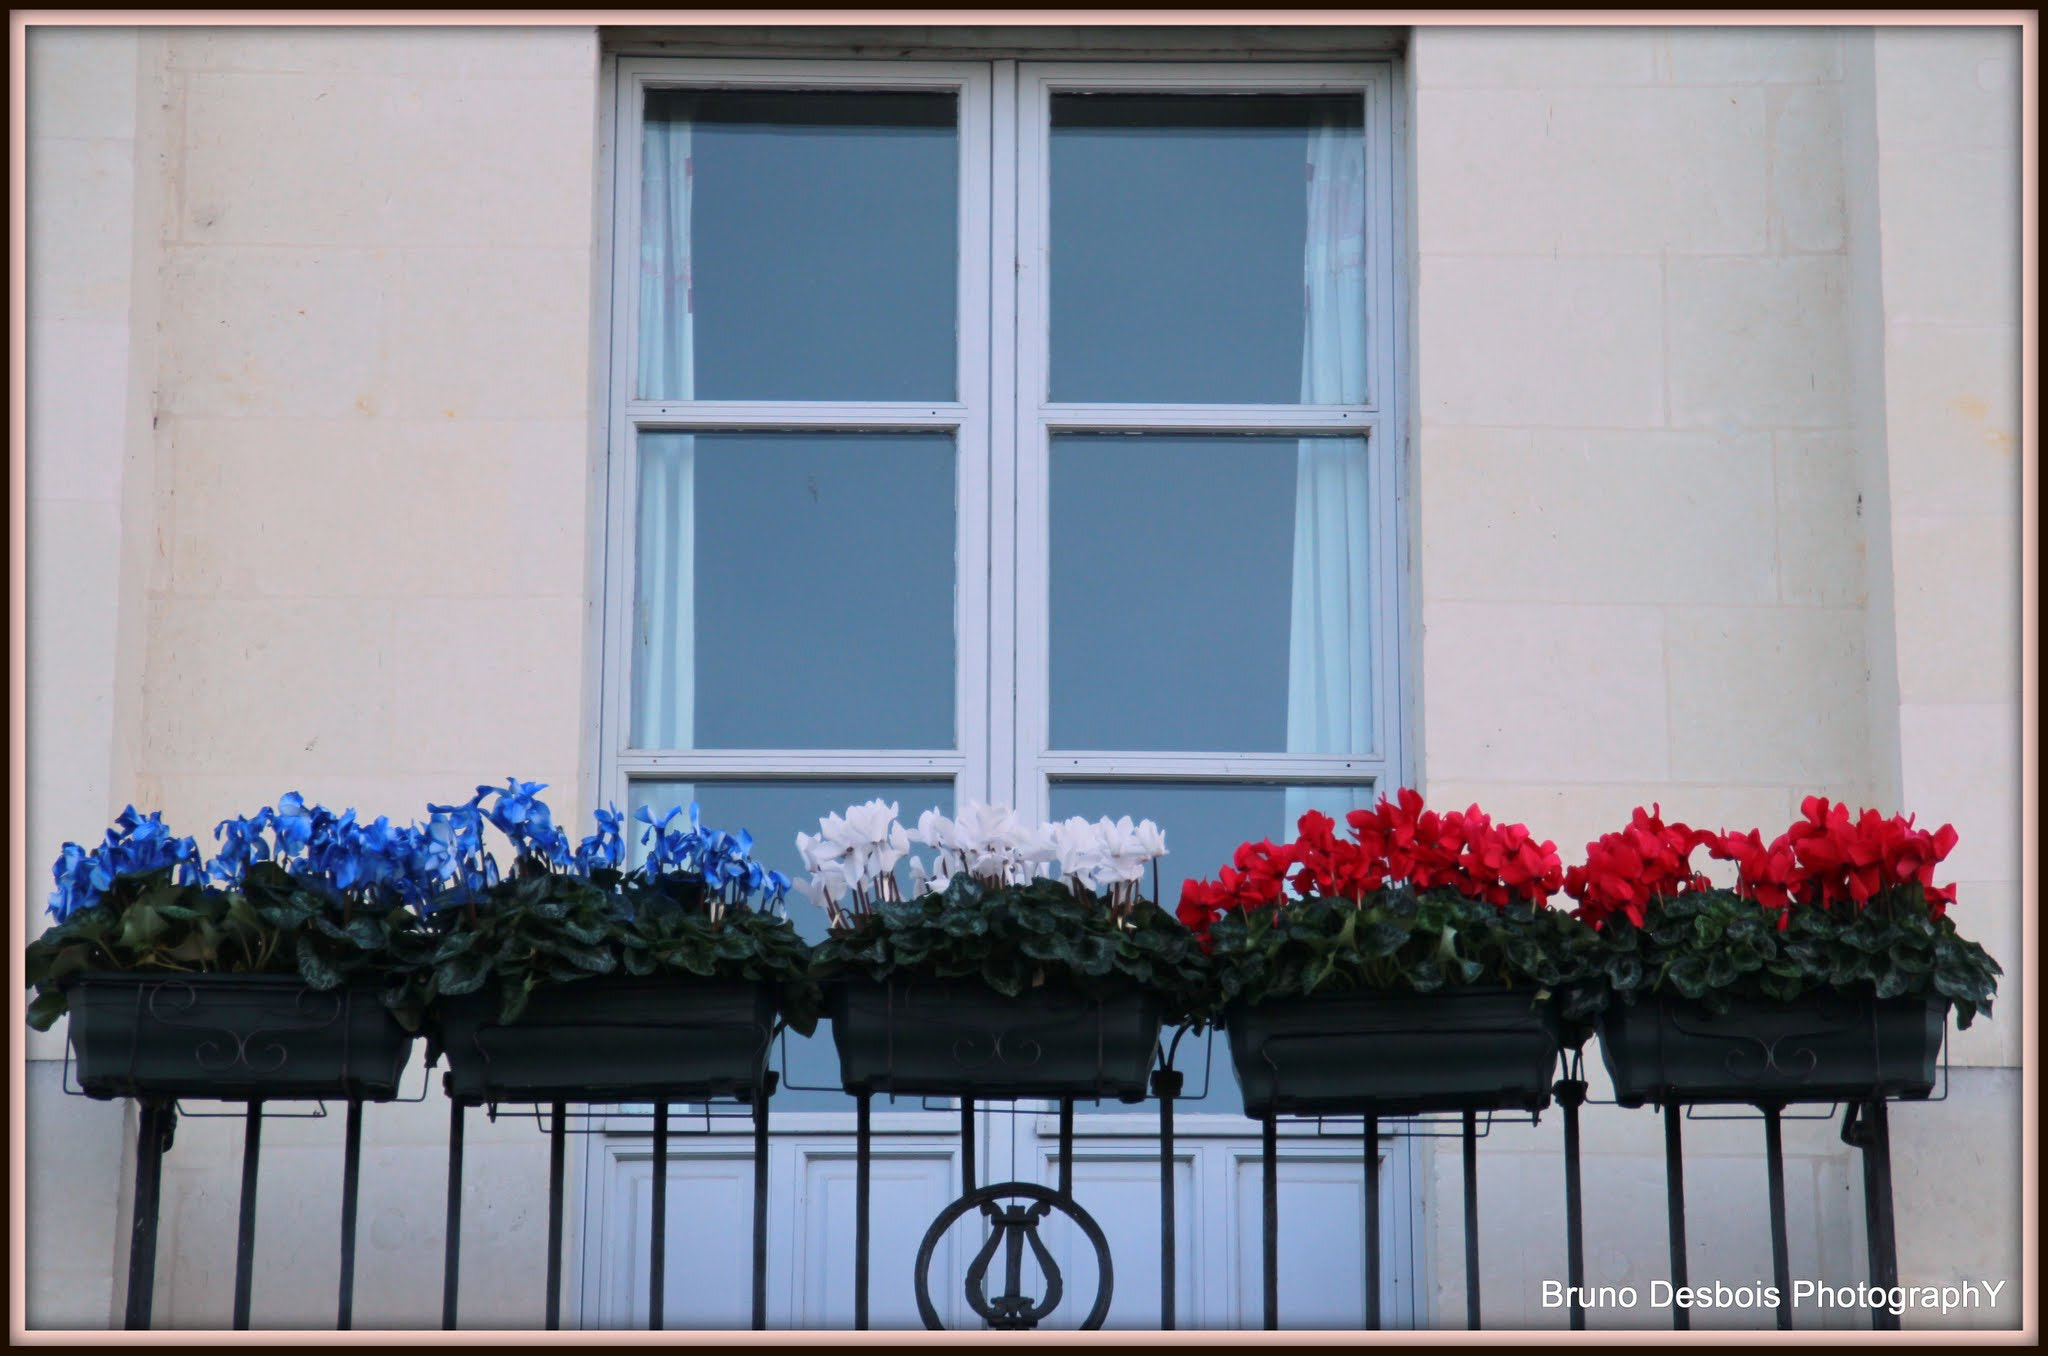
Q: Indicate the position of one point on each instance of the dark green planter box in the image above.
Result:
(1395, 1054)
(955, 1038)
(233, 1037)
(1826, 1047)
(609, 1040)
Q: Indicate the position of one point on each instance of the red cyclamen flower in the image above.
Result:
(1625, 870)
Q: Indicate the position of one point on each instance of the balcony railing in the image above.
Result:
(1013, 1211)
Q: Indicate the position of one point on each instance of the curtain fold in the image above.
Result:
(664, 659)
(1329, 652)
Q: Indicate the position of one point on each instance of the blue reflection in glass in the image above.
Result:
(811, 606)
(1181, 568)
(1178, 230)
(821, 237)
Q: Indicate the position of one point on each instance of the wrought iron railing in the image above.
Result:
(1013, 1228)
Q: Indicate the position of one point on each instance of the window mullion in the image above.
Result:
(1004, 643)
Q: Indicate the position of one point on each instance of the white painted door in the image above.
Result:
(916, 1173)
(1137, 438)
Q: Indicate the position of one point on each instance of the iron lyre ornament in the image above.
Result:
(1013, 1229)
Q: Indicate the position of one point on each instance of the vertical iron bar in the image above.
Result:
(1571, 1092)
(1781, 1260)
(1013, 1261)
(1269, 1173)
(761, 1208)
(152, 1130)
(1166, 1084)
(1879, 1225)
(1472, 1220)
(967, 1138)
(1674, 1209)
(1067, 1147)
(1372, 1222)
(863, 1143)
(451, 1267)
(558, 1138)
(657, 1248)
(245, 1231)
(351, 1182)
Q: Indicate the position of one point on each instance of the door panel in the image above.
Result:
(1118, 1185)
(811, 1193)
(911, 1183)
(709, 1287)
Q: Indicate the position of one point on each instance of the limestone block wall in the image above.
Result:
(1945, 112)
(366, 262)
(1947, 121)
(89, 337)
(1667, 399)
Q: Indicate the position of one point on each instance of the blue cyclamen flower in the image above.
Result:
(135, 846)
(666, 850)
(466, 822)
(516, 807)
(242, 845)
(607, 847)
(293, 823)
(73, 871)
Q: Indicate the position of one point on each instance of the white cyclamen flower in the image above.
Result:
(890, 849)
(987, 841)
(1124, 855)
(871, 823)
(819, 889)
(937, 831)
(854, 855)
(815, 851)
(942, 835)
(1078, 846)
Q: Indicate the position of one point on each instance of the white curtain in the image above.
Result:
(664, 669)
(1329, 641)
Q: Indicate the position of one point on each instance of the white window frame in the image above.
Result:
(965, 418)
(1378, 420)
(1002, 424)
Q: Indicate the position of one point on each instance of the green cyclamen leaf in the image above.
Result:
(462, 974)
(513, 1006)
(314, 968)
(46, 1008)
(593, 959)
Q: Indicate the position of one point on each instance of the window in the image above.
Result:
(1009, 431)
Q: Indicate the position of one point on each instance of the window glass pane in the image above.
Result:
(798, 246)
(774, 812)
(1211, 593)
(1207, 248)
(1204, 823)
(794, 590)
